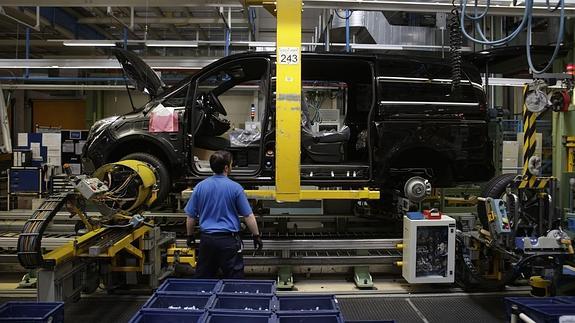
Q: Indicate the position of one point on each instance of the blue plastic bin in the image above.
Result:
(32, 312)
(310, 318)
(543, 310)
(321, 303)
(152, 316)
(256, 287)
(218, 317)
(189, 286)
(247, 303)
(179, 302)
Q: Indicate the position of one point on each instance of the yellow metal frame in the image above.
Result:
(570, 145)
(288, 102)
(364, 194)
(71, 249)
(77, 248)
(288, 113)
(146, 193)
(182, 256)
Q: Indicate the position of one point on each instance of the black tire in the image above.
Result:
(163, 179)
(495, 189)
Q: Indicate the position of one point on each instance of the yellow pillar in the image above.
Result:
(288, 100)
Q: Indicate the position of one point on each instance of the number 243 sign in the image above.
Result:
(289, 55)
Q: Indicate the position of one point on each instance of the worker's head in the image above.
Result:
(221, 162)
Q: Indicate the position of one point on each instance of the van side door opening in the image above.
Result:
(228, 113)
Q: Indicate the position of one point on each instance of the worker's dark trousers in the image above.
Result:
(221, 251)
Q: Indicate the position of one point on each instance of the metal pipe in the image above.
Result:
(514, 309)
(515, 209)
(551, 200)
(541, 215)
(347, 47)
(227, 42)
(240, 22)
(526, 318)
(125, 38)
(110, 13)
(327, 31)
(27, 72)
(229, 38)
(571, 188)
(498, 7)
(61, 79)
(5, 126)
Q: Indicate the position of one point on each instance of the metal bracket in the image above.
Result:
(29, 280)
(36, 27)
(362, 277)
(285, 278)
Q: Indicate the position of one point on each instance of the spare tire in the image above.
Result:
(494, 189)
(163, 179)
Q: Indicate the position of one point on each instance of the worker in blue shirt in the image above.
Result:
(216, 203)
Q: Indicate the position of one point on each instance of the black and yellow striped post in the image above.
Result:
(529, 180)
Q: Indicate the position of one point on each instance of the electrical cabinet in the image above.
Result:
(429, 250)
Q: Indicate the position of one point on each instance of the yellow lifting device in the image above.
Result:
(288, 113)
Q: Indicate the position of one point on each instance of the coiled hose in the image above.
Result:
(455, 42)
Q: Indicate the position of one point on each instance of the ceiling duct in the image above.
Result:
(373, 27)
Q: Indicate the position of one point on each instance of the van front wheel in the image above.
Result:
(163, 180)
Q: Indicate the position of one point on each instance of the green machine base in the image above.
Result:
(362, 277)
(285, 278)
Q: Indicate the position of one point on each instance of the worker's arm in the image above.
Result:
(190, 225)
(192, 213)
(252, 224)
(245, 210)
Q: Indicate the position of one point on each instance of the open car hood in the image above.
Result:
(511, 60)
(140, 73)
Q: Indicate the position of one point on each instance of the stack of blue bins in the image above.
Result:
(178, 301)
(237, 301)
(544, 309)
(32, 312)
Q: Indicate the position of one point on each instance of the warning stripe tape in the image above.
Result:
(534, 182)
(529, 138)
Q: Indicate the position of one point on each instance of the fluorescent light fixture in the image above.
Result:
(484, 52)
(375, 46)
(171, 43)
(91, 43)
(261, 44)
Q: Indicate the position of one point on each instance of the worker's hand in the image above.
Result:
(190, 241)
(258, 243)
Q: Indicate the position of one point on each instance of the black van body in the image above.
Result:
(402, 119)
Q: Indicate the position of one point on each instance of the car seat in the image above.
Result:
(322, 146)
(207, 129)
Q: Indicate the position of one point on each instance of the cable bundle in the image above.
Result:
(526, 22)
(455, 41)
